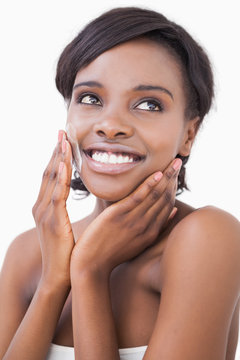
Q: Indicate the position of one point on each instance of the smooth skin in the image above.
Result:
(127, 275)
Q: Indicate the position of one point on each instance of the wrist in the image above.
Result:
(89, 272)
(54, 284)
(82, 265)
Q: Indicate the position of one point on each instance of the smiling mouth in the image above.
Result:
(110, 157)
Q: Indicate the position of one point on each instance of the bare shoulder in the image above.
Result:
(211, 214)
(200, 287)
(209, 225)
(22, 262)
(22, 265)
(207, 244)
(23, 250)
(207, 232)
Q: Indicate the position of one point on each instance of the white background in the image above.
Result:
(33, 35)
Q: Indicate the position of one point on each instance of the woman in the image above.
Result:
(144, 272)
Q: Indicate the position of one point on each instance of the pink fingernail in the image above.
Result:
(63, 145)
(177, 164)
(173, 213)
(158, 176)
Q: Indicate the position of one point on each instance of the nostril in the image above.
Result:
(110, 134)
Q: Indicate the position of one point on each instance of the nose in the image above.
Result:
(113, 127)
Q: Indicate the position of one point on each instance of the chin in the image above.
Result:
(109, 192)
(111, 196)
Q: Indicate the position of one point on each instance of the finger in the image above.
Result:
(152, 191)
(163, 207)
(48, 170)
(62, 187)
(161, 217)
(63, 156)
(163, 194)
(170, 174)
(139, 195)
(68, 160)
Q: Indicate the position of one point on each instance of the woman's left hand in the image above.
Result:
(127, 227)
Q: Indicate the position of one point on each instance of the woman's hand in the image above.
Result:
(52, 222)
(126, 228)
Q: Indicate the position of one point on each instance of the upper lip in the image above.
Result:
(113, 148)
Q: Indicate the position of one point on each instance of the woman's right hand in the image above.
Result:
(50, 214)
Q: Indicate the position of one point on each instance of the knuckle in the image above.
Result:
(151, 236)
(55, 200)
(168, 196)
(53, 175)
(149, 184)
(34, 209)
(46, 174)
(37, 214)
(136, 198)
(155, 195)
(169, 174)
(140, 228)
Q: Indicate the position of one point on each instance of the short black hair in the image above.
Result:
(122, 24)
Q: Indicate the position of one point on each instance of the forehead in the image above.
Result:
(134, 62)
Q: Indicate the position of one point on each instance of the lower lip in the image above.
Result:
(109, 168)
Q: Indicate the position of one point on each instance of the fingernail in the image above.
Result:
(177, 164)
(60, 135)
(173, 213)
(158, 176)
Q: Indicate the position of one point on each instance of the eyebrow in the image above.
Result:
(153, 87)
(137, 88)
(88, 83)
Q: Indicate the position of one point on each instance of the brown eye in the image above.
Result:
(150, 106)
(89, 100)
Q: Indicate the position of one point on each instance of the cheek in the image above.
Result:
(76, 130)
(77, 122)
(164, 145)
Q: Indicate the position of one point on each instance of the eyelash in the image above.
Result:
(149, 100)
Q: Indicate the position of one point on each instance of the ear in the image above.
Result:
(190, 132)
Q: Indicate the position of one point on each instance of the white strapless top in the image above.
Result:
(59, 352)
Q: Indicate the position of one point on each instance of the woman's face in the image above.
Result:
(130, 96)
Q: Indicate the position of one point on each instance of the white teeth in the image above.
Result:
(120, 159)
(104, 157)
(112, 159)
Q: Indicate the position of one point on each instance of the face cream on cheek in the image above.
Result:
(72, 138)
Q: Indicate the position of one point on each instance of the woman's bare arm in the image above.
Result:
(91, 303)
(26, 330)
(119, 233)
(31, 334)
